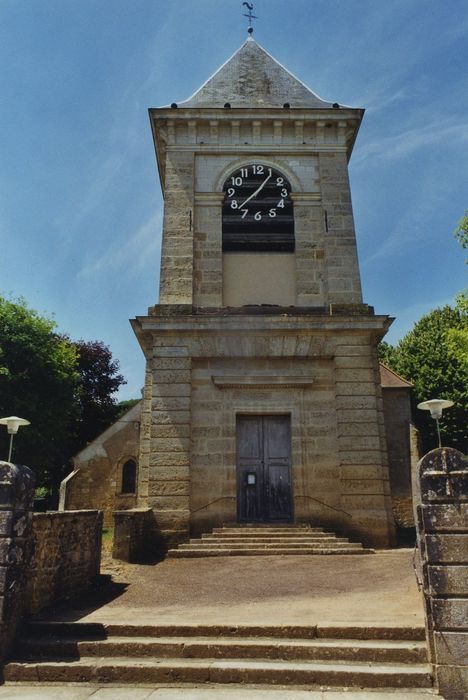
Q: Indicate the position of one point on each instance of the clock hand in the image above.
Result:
(256, 192)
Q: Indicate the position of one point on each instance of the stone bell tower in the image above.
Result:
(262, 397)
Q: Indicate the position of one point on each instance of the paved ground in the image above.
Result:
(377, 589)
(73, 692)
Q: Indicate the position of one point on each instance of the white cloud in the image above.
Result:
(449, 132)
(134, 254)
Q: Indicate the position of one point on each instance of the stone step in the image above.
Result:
(213, 544)
(254, 540)
(195, 551)
(267, 531)
(270, 672)
(58, 648)
(95, 630)
(270, 540)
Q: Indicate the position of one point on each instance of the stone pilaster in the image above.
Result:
(365, 493)
(176, 285)
(145, 436)
(208, 260)
(342, 269)
(169, 459)
(310, 288)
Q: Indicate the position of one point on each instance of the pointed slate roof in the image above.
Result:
(253, 78)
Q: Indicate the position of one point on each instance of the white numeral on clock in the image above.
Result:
(284, 192)
(231, 191)
(236, 181)
(234, 204)
(280, 181)
(244, 213)
(244, 172)
(272, 213)
(258, 216)
(280, 204)
(257, 169)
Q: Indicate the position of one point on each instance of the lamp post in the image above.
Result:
(13, 423)
(436, 406)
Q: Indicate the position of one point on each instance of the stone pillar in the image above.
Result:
(442, 524)
(16, 506)
(169, 459)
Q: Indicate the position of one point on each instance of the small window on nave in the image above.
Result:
(258, 211)
(129, 473)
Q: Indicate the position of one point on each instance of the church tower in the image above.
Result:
(262, 397)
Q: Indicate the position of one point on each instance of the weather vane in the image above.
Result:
(250, 16)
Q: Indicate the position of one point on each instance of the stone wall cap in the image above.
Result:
(132, 511)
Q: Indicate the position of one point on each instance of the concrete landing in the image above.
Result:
(348, 590)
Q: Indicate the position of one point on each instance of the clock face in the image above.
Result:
(257, 210)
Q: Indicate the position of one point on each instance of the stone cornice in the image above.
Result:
(238, 149)
(230, 324)
(208, 199)
(257, 113)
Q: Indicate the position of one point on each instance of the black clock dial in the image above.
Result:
(257, 210)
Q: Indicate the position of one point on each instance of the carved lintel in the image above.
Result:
(214, 137)
(235, 131)
(192, 131)
(299, 131)
(277, 132)
(262, 381)
(256, 131)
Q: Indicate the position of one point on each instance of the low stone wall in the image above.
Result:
(131, 532)
(66, 556)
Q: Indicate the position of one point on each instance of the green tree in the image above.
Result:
(461, 232)
(38, 381)
(95, 405)
(126, 405)
(437, 367)
(64, 388)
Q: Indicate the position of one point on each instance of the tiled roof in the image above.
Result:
(391, 380)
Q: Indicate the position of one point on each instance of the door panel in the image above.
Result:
(277, 463)
(250, 467)
(264, 468)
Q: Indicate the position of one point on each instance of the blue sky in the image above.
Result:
(80, 201)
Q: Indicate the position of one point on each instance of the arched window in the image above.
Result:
(258, 211)
(129, 473)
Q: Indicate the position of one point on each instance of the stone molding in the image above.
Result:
(261, 381)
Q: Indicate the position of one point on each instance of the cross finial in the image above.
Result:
(250, 16)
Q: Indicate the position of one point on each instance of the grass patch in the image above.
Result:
(108, 534)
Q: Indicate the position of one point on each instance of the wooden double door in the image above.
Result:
(264, 468)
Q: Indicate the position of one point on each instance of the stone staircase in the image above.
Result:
(289, 656)
(254, 540)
